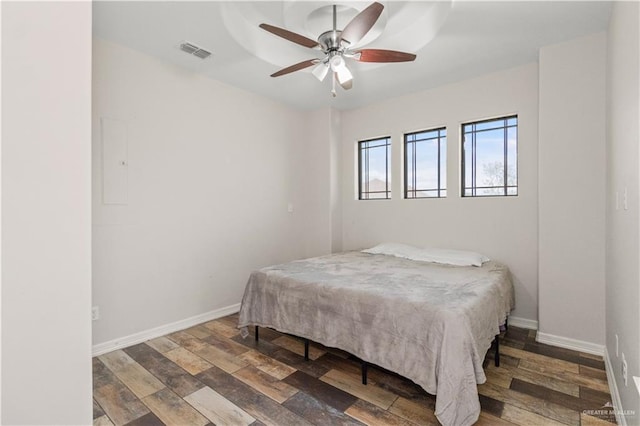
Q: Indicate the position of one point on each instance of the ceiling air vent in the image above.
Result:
(194, 50)
(202, 54)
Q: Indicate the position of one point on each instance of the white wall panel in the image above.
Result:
(46, 213)
(623, 223)
(572, 189)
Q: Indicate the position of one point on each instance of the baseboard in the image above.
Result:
(152, 333)
(523, 323)
(568, 343)
(613, 388)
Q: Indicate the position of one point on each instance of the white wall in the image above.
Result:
(0, 217)
(211, 171)
(46, 217)
(319, 169)
(572, 189)
(503, 228)
(623, 225)
(314, 203)
(335, 150)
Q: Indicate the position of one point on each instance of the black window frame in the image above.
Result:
(415, 190)
(473, 188)
(361, 190)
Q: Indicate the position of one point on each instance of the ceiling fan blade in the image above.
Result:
(361, 23)
(291, 36)
(381, 55)
(297, 67)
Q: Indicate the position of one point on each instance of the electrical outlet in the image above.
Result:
(617, 346)
(624, 369)
(95, 313)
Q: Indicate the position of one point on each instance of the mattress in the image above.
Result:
(429, 322)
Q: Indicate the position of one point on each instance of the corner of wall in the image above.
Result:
(335, 176)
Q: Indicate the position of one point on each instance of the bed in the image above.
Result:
(429, 322)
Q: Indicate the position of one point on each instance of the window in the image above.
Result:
(374, 180)
(425, 164)
(490, 157)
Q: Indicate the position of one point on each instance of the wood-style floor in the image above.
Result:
(208, 374)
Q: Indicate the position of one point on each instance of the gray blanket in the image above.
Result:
(428, 322)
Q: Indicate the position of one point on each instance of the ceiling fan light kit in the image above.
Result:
(336, 46)
(320, 71)
(340, 70)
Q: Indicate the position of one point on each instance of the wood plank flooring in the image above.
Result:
(209, 374)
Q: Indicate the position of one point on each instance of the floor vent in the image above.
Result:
(194, 50)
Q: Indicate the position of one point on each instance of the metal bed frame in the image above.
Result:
(364, 365)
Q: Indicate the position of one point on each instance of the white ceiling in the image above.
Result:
(454, 40)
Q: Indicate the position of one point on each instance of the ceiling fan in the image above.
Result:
(336, 46)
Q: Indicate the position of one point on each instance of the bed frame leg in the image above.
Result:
(256, 335)
(506, 324)
(365, 367)
(306, 349)
(497, 357)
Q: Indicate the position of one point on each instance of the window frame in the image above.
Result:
(439, 138)
(474, 187)
(387, 190)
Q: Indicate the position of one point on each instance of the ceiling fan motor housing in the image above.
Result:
(330, 41)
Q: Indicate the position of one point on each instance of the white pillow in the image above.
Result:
(394, 249)
(450, 257)
(445, 256)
